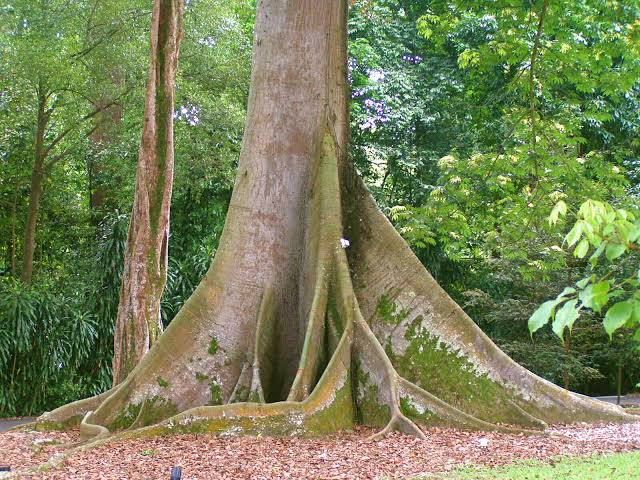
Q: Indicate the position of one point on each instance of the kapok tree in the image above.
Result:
(291, 333)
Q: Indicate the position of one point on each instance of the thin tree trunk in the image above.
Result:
(105, 125)
(295, 330)
(13, 248)
(619, 382)
(566, 378)
(138, 324)
(35, 193)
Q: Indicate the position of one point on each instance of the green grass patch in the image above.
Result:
(607, 467)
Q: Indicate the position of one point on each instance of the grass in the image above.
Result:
(623, 466)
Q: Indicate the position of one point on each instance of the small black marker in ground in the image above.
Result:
(4, 468)
(176, 473)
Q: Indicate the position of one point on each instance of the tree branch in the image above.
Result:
(532, 64)
(88, 116)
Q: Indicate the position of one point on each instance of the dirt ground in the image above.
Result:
(347, 455)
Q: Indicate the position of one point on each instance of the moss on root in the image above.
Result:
(162, 382)
(449, 376)
(151, 411)
(415, 411)
(370, 411)
(126, 417)
(213, 346)
(347, 374)
(216, 394)
(70, 424)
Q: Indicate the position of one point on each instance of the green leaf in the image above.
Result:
(595, 296)
(624, 230)
(635, 315)
(594, 258)
(582, 248)
(565, 317)
(583, 283)
(614, 250)
(574, 234)
(541, 316)
(617, 316)
(559, 209)
(622, 214)
(565, 292)
(608, 229)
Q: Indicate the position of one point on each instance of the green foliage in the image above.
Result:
(43, 344)
(469, 134)
(600, 228)
(83, 55)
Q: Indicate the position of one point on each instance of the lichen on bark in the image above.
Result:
(311, 337)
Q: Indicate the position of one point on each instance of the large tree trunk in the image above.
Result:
(289, 332)
(144, 276)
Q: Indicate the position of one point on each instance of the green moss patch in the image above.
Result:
(162, 382)
(216, 394)
(213, 346)
(414, 412)
(389, 313)
(369, 409)
(451, 377)
(156, 409)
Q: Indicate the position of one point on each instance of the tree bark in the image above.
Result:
(138, 324)
(35, 193)
(291, 333)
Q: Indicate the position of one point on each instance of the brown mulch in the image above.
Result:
(346, 455)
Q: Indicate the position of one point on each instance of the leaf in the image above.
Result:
(617, 316)
(595, 296)
(559, 209)
(582, 248)
(635, 316)
(594, 258)
(574, 234)
(614, 250)
(565, 292)
(541, 316)
(583, 283)
(565, 317)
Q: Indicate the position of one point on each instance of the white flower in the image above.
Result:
(344, 243)
(483, 442)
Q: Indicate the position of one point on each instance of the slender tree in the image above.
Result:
(315, 314)
(138, 324)
(55, 88)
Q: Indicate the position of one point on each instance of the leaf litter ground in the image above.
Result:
(347, 455)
